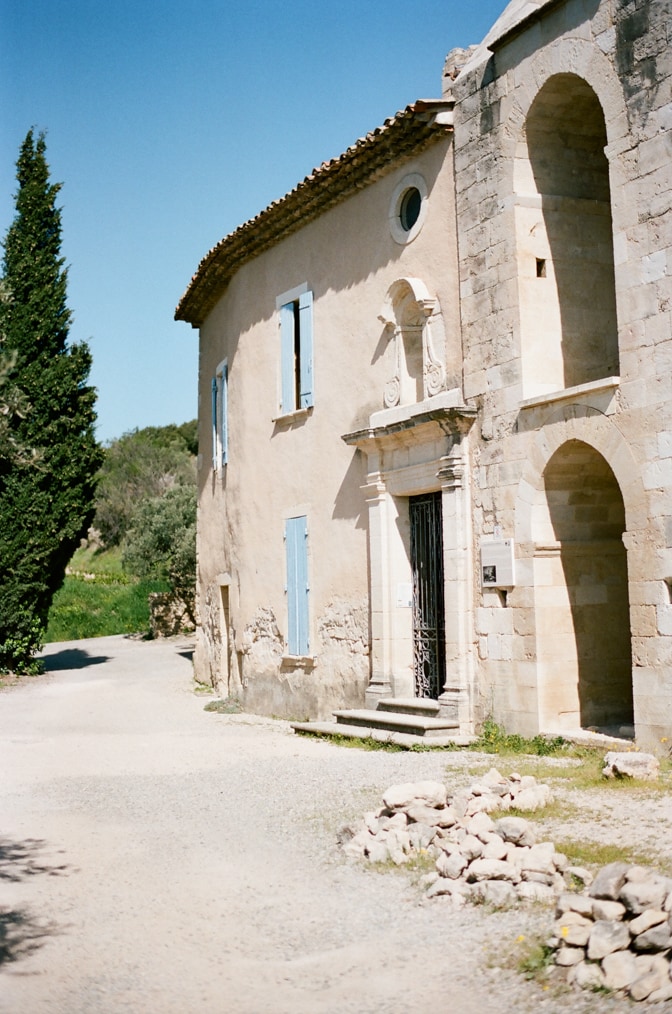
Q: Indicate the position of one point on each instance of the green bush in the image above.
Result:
(138, 466)
(18, 649)
(161, 543)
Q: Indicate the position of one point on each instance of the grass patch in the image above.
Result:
(97, 599)
(564, 764)
(534, 957)
(597, 854)
(493, 739)
(354, 742)
(583, 771)
(418, 865)
(555, 810)
(99, 563)
(230, 706)
(86, 609)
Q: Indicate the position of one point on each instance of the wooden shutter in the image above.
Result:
(296, 540)
(287, 367)
(214, 424)
(224, 409)
(306, 340)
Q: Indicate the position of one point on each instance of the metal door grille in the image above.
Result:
(429, 648)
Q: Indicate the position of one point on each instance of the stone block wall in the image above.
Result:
(563, 146)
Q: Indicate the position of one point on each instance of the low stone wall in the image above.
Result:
(168, 615)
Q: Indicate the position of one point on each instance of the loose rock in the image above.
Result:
(631, 765)
(630, 937)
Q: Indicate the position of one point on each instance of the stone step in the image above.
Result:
(416, 725)
(410, 706)
(619, 739)
(403, 739)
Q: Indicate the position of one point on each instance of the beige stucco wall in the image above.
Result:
(300, 465)
(553, 274)
(623, 55)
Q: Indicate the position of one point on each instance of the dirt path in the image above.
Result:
(158, 858)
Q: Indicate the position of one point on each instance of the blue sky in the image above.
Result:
(171, 123)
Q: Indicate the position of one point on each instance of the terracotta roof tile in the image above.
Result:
(402, 135)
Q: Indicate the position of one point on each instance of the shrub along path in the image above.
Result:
(157, 857)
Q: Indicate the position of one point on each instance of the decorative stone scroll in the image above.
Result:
(415, 321)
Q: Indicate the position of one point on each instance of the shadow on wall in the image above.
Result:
(349, 503)
(588, 519)
(22, 932)
(566, 138)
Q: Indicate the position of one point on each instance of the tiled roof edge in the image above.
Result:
(406, 133)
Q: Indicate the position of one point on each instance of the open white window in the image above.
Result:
(296, 349)
(220, 426)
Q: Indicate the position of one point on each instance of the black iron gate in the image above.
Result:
(429, 646)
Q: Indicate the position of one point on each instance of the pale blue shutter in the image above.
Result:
(287, 366)
(214, 423)
(296, 538)
(306, 340)
(225, 413)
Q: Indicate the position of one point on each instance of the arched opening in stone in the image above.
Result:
(565, 241)
(584, 658)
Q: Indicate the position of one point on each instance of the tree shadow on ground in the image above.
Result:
(21, 932)
(22, 859)
(71, 658)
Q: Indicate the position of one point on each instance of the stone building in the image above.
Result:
(435, 378)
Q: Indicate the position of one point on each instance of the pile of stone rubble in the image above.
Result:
(618, 936)
(476, 857)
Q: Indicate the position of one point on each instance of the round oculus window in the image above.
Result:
(409, 210)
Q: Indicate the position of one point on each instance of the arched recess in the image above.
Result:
(564, 239)
(581, 602)
(415, 322)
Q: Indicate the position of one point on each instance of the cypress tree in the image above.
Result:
(46, 492)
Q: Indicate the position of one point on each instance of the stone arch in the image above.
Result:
(579, 422)
(575, 502)
(581, 59)
(563, 56)
(414, 320)
(564, 240)
(582, 611)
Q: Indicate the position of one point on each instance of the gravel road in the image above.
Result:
(159, 859)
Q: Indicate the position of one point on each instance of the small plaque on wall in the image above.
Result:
(498, 564)
(404, 595)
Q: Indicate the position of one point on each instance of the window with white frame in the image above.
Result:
(295, 309)
(220, 422)
(296, 548)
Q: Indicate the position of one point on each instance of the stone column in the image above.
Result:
(455, 700)
(379, 568)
